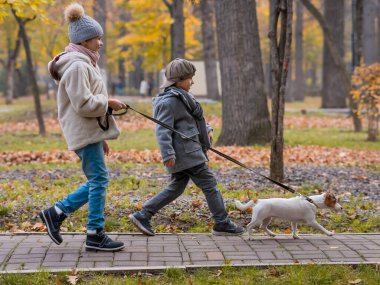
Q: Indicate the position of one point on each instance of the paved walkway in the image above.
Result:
(33, 251)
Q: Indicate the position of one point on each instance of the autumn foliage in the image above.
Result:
(366, 92)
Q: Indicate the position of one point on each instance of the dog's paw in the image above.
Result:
(296, 237)
(272, 235)
(330, 234)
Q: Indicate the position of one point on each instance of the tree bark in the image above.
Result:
(11, 67)
(209, 50)
(244, 105)
(334, 52)
(299, 85)
(177, 29)
(357, 49)
(333, 92)
(369, 31)
(31, 73)
(280, 46)
(100, 15)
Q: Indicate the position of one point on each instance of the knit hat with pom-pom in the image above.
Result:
(81, 26)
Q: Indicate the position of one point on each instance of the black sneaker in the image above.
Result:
(53, 223)
(142, 223)
(227, 228)
(100, 241)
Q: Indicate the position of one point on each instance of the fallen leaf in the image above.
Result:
(356, 281)
(288, 231)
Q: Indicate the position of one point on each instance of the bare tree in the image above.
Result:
(177, 28)
(280, 48)
(334, 93)
(370, 16)
(11, 67)
(299, 85)
(31, 72)
(209, 49)
(100, 15)
(244, 105)
(334, 52)
(357, 47)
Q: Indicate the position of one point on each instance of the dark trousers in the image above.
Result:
(203, 178)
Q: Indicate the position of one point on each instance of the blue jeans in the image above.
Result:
(203, 178)
(94, 190)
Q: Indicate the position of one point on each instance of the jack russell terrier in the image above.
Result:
(296, 210)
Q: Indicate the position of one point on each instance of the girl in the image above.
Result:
(82, 108)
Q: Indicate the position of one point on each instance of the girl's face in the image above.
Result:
(93, 44)
(185, 84)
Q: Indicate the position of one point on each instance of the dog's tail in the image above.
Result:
(242, 206)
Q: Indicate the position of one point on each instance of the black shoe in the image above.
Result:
(100, 241)
(142, 223)
(53, 222)
(227, 228)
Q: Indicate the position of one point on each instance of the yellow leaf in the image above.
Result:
(356, 281)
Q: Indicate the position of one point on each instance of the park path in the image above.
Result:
(29, 252)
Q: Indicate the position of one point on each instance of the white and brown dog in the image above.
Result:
(296, 210)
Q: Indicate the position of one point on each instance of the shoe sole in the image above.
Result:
(139, 226)
(44, 220)
(94, 248)
(215, 233)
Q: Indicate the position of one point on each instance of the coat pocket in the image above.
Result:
(189, 145)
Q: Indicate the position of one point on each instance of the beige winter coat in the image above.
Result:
(82, 97)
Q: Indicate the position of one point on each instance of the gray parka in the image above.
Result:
(169, 109)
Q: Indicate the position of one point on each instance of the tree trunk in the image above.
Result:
(357, 48)
(333, 92)
(244, 105)
(11, 67)
(269, 83)
(31, 73)
(299, 85)
(100, 15)
(334, 52)
(177, 29)
(137, 74)
(280, 46)
(369, 35)
(209, 50)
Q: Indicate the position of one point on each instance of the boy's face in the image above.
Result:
(185, 84)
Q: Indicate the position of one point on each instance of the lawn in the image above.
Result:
(27, 188)
(294, 275)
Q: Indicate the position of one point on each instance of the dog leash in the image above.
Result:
(288, 188)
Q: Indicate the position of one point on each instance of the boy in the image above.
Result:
(183, 158)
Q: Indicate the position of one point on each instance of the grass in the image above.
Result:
(21, 200)
(145, 139)
(292, 275)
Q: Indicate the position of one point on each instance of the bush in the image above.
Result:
(366, 93)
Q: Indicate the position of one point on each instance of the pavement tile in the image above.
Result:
(86, 264)
(32, 251)
(103, 264)
(139, 256)
(265, 255)
(214, 255)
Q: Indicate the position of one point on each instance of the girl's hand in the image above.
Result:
(170, 162)
(116, 104)
(106, 149)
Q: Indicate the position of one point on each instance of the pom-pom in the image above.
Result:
(74, 12)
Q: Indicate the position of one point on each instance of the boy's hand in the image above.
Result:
(210, 137)
(106, 148)
(170, 162)
(116, 104)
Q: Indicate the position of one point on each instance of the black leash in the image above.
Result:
(219, 153)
